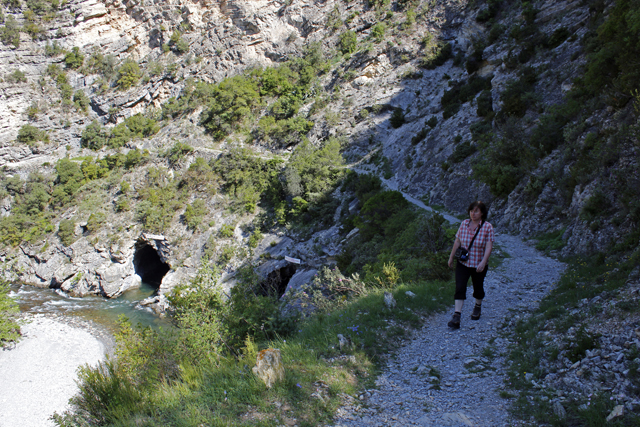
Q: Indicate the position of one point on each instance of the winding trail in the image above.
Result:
(445, 377)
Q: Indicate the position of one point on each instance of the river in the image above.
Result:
(102, 311)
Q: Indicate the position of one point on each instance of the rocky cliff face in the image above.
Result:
(364, 90)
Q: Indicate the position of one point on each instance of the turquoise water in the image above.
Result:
(97, 309)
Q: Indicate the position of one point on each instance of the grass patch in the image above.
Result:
(222, 390)
(552, 241)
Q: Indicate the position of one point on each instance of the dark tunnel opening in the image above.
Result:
(276, 282)
(149, 266)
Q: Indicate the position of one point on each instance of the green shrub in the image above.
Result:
(178, 43)
(503, 164)
(558, 37)
(10, 32)
(200, 307)
(177, 152)
(551, 241)
(461, 152)
(9, 327)
(232, 102)
(462, 92)
(518, 96)
(66, 231)
(80, 101)
(377, 31)
(420, 136)
(194, 213)
(436, 54)
(490, 11)
(74, 59)
(283, 133)
(485, 103)
(16, 77)
(94, 136)
(348, 42)
(129, 74)
(95, 221)
(226, 231)
(30, 135)
(397, 118)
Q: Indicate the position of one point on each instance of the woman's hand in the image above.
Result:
(481, 266)
(450, 262)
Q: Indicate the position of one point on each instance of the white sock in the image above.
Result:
(459, 304)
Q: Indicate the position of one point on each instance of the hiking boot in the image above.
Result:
(475, 315)
(455, 321)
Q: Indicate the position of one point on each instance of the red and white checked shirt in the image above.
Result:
(479, 245)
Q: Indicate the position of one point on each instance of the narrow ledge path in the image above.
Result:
(445, 377)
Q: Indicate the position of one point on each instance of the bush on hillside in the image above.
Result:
(9, 327)
(30, 135)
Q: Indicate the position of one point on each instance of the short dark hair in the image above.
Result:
(482, 206)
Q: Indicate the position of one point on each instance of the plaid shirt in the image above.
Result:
(477, 250)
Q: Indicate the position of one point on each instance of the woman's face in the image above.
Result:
(475, 214)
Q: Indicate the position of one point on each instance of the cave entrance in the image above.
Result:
(148, 265)
(276, 282)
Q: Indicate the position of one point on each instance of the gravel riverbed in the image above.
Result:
(38, 375)
(445, 377)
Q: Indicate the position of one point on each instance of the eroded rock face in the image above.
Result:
(228, 37)
(83, 269)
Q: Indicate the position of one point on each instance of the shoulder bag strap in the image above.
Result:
(475, 235)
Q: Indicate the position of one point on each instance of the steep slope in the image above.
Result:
(455, 101)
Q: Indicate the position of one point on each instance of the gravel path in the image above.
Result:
(445, 377)
(37, 376)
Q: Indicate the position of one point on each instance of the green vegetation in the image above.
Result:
(128, 75)
(462, 92)
(178, 44)
(9, 327)
(348, 42)
(378, 31)
(96, 136)
(74, 59)
(436, 53)
(155, 378)
(30, 135)
(393, 236)
(10, 32)
(194, 213)
(66, 231)
(461, 152)
(16, 77)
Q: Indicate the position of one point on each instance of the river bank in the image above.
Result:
(38, 374)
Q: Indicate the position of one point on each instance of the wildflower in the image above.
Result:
(298, 385)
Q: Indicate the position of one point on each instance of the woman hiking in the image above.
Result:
(475, 237)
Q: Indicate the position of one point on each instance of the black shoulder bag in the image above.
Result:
(463, 254)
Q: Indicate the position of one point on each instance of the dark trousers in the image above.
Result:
(462, 278)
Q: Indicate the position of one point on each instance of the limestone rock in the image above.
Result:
(389, 300)
(269, 367)
(559, 410)
(345, 343)
(618, 411)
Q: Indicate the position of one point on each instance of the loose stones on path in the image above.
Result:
(446, 377)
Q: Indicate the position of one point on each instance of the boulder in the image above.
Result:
(269, 367)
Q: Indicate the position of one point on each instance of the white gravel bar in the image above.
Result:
(38, 375)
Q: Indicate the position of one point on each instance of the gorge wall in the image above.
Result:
(385, 100)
